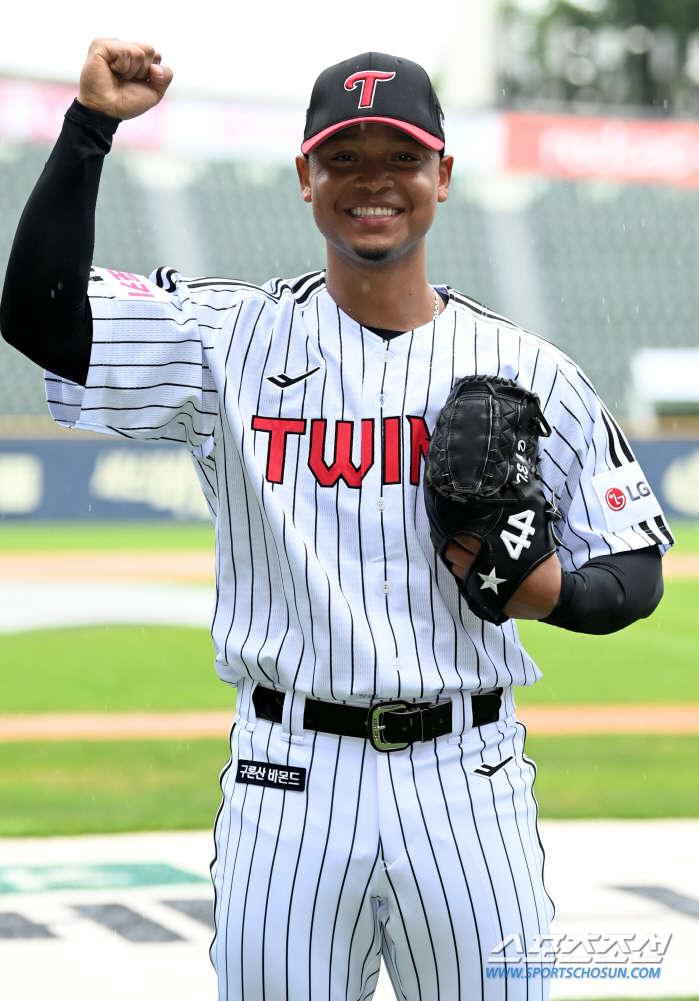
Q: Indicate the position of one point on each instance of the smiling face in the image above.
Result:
(374, 191)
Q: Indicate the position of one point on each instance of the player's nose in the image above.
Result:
(374, 180)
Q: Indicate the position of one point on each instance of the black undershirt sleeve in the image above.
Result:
(609, 592)
(45, 311)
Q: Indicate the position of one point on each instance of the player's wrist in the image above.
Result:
(538, 595)
(106, 111)
(92, 130)
(89, 100)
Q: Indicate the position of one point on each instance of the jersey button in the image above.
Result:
(385, 357)
(379, 503)
(387, 587)
(382, 400)
(397, 664)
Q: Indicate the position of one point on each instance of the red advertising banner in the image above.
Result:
(646, 152)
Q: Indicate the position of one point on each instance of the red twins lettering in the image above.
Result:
(615, 498)
(391, 450)
(278, 430)
(390, 443)
(367, 79)
(419, 443)
(343, 466)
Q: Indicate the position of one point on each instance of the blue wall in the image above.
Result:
(119, 479)
(103, 479)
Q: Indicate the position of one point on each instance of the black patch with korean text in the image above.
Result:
(257, 773)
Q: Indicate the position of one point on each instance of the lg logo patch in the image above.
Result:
(625, 497)
(616, 497)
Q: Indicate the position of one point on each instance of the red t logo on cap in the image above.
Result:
(368, 79)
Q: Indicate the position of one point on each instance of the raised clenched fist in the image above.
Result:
(122, 79)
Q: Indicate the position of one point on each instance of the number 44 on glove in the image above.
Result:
(481, 480)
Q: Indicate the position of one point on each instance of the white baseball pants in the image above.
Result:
(409, 855)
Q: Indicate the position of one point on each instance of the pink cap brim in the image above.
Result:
(412, 130)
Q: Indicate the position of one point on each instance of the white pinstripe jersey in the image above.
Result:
(308, 433)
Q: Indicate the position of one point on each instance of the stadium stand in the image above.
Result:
(618, 268)
(458, 253)
(615, 263)
(257, 226)
(21, 385)
(123, 240)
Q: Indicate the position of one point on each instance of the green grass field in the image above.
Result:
(157, 668)
(73, 787)
(77, 787)
(654, 660)
(112, 668)
(58, 535)
(81, 787)
(612, 775)
(80, 536)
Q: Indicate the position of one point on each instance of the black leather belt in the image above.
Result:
(389, 726)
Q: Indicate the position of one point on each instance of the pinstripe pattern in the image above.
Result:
(410, 855)
(307, 433)
(301, 564)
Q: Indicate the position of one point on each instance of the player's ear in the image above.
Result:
(446, 165)
(303, 168)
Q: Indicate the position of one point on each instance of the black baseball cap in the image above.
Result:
(374, 87)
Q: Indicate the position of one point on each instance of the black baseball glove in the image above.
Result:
(481, 480)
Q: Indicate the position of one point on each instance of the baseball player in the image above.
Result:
(378, 800)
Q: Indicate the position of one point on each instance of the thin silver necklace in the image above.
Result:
(436, 306)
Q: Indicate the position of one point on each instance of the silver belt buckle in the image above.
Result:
(376, 727)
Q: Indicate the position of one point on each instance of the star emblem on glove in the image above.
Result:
(491, 580)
